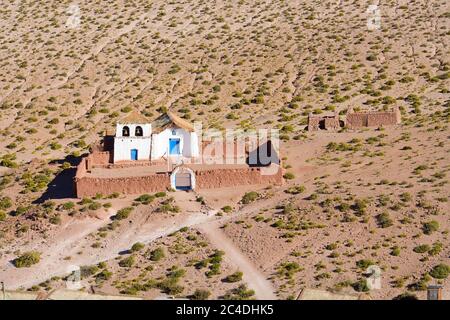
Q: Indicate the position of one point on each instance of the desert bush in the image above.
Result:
(239, 293)
(87, 271)
(249, 197)
(123, 213)
(440, 271)
(364, 263)
(422, 248)
(137, 247)
(145, 198)
(406, 296)
(234, 277)
(127, 262)
(5, 203)
(289, 176)
(227, 209)
(384, 220)
(2, 215)
(157, 254)
(200, 294)
(27, 259)
(430, 227)
(360, 286)
(104, 275)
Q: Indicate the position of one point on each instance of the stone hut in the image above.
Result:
(327, 122)
(356, 120)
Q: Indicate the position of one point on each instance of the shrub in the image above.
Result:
(87, 271)
(200, 294)
(227, 209)
(137, 247)
(422, 248)
(157, 254)
(295, 190)
(430, 227)
(235, 277)
(160, 194)
(249, 197)
(360, 286)
(27, 259)
(441, 271)
(239, 293)
(2, 215)
(127, 262)
(123, 213)
(289, 176)
(406, 296)
(364, 263)
(384, 220)
(68, 205)
(103, 275)
(145, 198)
(5, 203)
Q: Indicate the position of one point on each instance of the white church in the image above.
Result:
(169, 136)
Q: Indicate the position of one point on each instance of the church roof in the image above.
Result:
(134, 117)
(166, 120)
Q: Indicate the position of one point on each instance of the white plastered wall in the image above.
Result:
(188, 143)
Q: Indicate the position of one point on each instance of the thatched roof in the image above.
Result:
(167, 120)
(134, 117)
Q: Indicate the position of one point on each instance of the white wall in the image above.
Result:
(188, 143)
(124, 145)
(146, 128)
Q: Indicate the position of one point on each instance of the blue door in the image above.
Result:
(174, 146)
(134, 154)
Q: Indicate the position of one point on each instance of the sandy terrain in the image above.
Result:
(353, 198)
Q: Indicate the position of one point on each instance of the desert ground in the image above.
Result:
(351, 199)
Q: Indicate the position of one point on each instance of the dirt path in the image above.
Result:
(254, 278)
(72, 241)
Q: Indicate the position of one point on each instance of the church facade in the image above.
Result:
(137, 139)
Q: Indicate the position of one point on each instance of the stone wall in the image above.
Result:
(316, 123)
(372, 119)
(86, 186)
(89, 186)
(210, 179)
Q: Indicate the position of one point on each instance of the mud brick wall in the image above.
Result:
(331, 124)
(356, 120)
(89, 187)
(313, 123)
(382, 119)
(100, 157)
(220, 178)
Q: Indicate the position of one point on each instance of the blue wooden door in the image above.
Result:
(174, 146)
(134, 154)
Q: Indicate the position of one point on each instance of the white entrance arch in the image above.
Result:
(182, 178)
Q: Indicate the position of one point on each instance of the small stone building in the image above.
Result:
(356, 120)
(326, 122)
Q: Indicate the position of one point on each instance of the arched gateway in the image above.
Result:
(182, 178)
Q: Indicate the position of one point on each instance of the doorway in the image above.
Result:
(134, 154)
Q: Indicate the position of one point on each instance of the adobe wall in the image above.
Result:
(208, 179)
(220, 178)
(373, 119)
(356, 120)
(89, 187)
(382, 119)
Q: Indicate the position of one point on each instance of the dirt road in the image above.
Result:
(254, 278)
